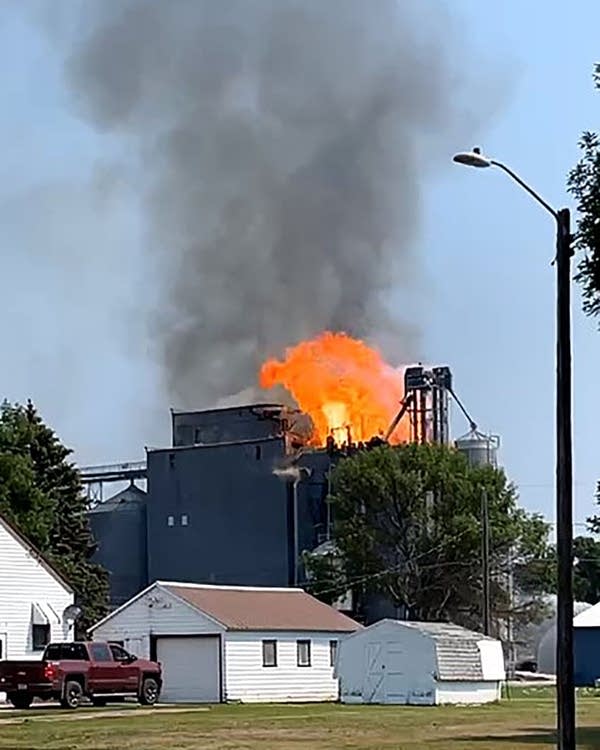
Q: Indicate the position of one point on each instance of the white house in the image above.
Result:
(419, 663)
(232, 643)
(33, 598)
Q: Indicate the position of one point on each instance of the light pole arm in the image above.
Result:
(525, 186)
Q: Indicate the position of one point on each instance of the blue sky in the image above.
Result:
(489, 246)
(488, 300)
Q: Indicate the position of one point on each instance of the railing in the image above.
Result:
(113, 472)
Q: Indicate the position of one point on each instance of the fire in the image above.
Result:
(344, 385)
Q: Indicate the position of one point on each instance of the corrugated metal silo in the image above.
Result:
(119, 527)
(480, 449)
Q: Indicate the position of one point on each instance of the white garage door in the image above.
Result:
(190, 669)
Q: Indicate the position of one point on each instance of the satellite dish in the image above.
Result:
(71, 613)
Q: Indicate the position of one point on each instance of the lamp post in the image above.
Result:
(565, 692)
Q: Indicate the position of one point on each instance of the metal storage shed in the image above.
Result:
(586, 647)
(243, 643)
(419, 663)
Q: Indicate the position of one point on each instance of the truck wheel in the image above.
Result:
(20, 700)
(149, 692)
(72, 695)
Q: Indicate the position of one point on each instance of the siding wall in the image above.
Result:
(24, 581)
(468, 692)
(236, 509)
(157, 612)
(247, 680)
(387, 663)
(586, 648)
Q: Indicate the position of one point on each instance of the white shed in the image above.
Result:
(419, 663)
(232, 643)
(33, 598)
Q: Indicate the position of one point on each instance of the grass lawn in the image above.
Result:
(524, 722)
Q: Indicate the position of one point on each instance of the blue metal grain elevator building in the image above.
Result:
(219, 511)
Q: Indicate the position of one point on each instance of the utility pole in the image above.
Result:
(510, 628)
(565, 683)
(485, 562)
(565, 690)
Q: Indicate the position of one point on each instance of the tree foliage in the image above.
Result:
(408, 526)
(40, 492)
(584, 184)
(586, 569)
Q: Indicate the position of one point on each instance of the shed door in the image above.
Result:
(396, 688)
(374, 674)
(385, 674)
(191, 669)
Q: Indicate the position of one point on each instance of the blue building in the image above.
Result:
(216, 512)
(586, 644)
(223, 505)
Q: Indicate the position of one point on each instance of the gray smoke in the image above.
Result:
(280, 146)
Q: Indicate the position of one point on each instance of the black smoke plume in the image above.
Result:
(281, 147)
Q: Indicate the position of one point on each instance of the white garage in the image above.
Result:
(220, 643)
(419, 663)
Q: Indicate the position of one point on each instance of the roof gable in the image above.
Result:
(588, 618)
(247, 608)
(22, 540)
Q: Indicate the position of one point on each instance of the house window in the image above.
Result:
(40, 636)
(333, 645)
(170, 520)
(303, 653)
(269, 651)
(184, 520)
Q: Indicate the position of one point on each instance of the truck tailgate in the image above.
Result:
(18, 675)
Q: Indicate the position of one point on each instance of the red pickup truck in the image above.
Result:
(70, 672)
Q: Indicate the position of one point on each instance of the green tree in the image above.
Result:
(41, 493)
(586, 569)
(584, 184)
(408, 526)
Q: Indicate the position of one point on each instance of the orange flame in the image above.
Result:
(341, 383)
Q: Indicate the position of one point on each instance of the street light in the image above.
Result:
(565, 693)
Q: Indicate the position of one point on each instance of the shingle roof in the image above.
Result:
(457, 652)
(257, 608)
